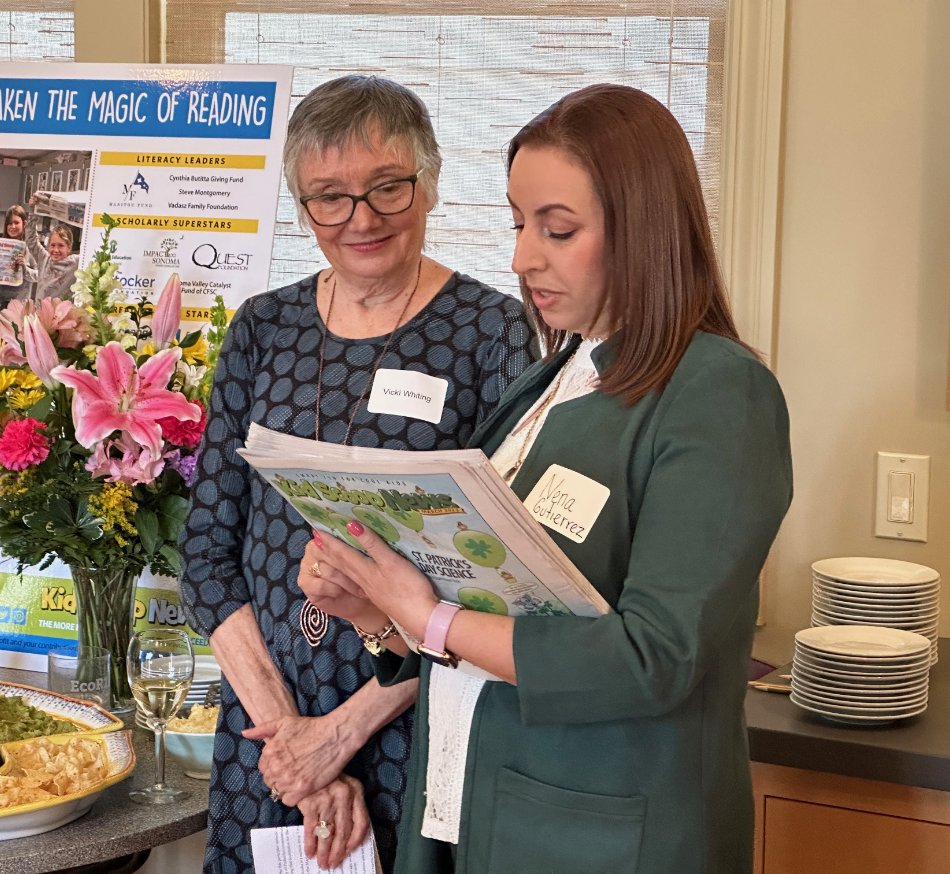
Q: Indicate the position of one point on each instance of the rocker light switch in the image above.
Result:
(903, 485)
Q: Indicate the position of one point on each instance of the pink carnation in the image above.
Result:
(187, 434)
(23, 444)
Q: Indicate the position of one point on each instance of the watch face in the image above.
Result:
(446, 659)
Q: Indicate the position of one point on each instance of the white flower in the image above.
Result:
(191, 374)
(123, 323)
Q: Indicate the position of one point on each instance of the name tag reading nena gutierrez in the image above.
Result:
(567, 502)
(407, 393)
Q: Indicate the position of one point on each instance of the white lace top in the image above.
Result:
(453, 694)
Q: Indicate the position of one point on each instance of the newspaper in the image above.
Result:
(10, 252)
(448, 512)
(62, 206)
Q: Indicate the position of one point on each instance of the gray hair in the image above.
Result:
(342, 110)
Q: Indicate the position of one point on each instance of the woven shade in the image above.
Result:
(483, 69)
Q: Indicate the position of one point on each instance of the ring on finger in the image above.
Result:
(322, 830)
(274, 795)
(315, 569)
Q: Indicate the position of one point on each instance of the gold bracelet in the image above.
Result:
(374, 642)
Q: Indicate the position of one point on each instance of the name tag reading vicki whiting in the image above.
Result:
(567, 502)
(408, 393)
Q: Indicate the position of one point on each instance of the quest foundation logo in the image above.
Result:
(210, 257)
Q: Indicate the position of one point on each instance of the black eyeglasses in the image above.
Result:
(387, 198)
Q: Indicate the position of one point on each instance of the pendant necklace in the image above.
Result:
(535, 422)
(379, 360)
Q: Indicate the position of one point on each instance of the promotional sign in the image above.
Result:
(187, 162)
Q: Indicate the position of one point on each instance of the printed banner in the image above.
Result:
(187, 160)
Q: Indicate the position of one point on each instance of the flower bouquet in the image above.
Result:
(101, 413)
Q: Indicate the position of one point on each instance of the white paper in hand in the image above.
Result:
(280, 851)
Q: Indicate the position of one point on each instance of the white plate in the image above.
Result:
(866, 595)
(86, 715)
(879, 590)
(855, 708)
(839, 617)
(860, 698)
(855, 665)
(863, 641)
(44, 816)
(875, 570)
(861, 719)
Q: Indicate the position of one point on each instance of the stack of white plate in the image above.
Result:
(877, 591)
(861, 674)
(207, 671)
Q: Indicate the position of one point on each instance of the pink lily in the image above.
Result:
(134, 466)
(40, 351)
(123, 398)
(167, 313)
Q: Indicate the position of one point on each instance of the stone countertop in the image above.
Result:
(911, 752)
(114, 826)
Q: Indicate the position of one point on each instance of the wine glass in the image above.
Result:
(160, 663)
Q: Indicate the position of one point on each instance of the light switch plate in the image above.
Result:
(902, 495)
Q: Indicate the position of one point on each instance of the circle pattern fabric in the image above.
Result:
(242, 542)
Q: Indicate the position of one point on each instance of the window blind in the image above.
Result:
(37, 31)
(483, 69)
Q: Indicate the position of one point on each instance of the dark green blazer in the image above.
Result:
(623, 747)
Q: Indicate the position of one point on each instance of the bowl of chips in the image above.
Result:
(46, 782)
(189, 740)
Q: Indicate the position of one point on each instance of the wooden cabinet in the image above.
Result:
(808, 822)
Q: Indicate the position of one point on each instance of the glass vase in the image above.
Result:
(105, 615)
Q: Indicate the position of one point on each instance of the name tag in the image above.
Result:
(567, 502)
(407, 393)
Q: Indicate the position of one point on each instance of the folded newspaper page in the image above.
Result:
(10, 252)
(448, 512)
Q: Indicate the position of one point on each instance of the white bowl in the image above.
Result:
(192, 751)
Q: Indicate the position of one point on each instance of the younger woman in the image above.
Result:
(617, 743)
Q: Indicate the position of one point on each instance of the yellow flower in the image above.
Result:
(197, 353)
(8, 378)
(147, 348)
(115, 506)
(27, 379)
(18, 399)
(16, 484)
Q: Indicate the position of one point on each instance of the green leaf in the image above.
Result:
(41, 409)
(170, 554)
(171, 516)
(146, 521)
(190, 340)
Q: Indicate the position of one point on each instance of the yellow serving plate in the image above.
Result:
(36, 817)
(87, 717)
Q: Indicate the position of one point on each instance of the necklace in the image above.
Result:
(535, 422)
(372, 375)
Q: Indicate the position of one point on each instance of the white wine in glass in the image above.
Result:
(161, 664)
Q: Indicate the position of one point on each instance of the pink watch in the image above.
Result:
(437, 629)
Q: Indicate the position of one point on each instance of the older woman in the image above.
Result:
(300, 703)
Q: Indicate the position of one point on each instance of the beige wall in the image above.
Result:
(863, 314)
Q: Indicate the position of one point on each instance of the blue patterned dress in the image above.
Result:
(242, 544)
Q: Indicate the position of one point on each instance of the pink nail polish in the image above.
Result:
(317, 539)
(355, 528)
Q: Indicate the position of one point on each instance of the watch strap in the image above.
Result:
(437, 630)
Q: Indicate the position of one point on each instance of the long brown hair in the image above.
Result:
(662, 277)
